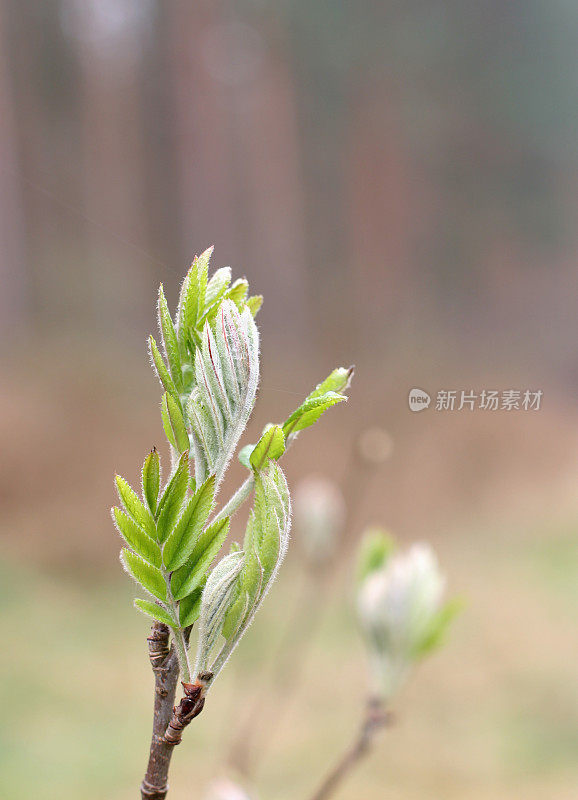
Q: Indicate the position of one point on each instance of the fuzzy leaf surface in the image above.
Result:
(190, 607)
(136, 538)
(310, 411)
(183, 538)
(135, 508)
(188, 577)
(172, 499)
(174, 423)
(226, 378)
(149, 577)
(271, 445)
(155, 611)
(151, 480)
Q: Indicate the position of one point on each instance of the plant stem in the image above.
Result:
(243, 492)
(236, 500)
(178, 633)
(375, 718)
(181, 648)
(165, 666)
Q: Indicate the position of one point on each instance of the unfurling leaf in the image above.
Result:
(215, 602)
(183, 538)
(170, 341)
(172, 499)
(270, 446)
(192, 302)
(254, 304)
(155, 611)
(137, 510)
(338, 381)
(136, 538)
(151, 479)
(149, 577)
(161, 368)
(188, 577)
(174, 424)
(190, 607)
(265, 545)
(310, 411)
(226, 377)
(238, 292)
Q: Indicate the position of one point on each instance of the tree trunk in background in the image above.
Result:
(121, 266)
(270, 154)
(13, 277)
(238, 156)
(202, 137)
(382, 214)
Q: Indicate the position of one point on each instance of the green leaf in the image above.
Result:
(172, 500)
(170, 341)
(151, 479)
(238, 292)
(252, 577)
(254, 303)
(188, 308)
(149, 577)
(188, 577)
(136, 538)
(215, 292)
(182, 540)
(338, 381)
(270, 445)
(190, 607)
(375, 550)
(161, 368)
(135, 508)
(174, 423)
(310, 411)
(439, 627)
(236, 614)
(155, 611)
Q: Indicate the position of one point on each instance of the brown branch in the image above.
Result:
(165, 666)
(189, 707)
(169, 720)
(375, 718)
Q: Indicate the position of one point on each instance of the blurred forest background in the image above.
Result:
(400, 180)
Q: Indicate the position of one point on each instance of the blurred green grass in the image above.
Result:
(494, 715)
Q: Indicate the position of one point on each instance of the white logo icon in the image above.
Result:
(418, 400)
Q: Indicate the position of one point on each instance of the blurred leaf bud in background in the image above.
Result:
(225, 789)
(401, 608)
(319, 511)
(374, 446)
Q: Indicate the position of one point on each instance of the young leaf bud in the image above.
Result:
(319, 517)
(401, 614)
(216, 600)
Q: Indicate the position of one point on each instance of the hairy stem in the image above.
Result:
(183, 657)
(178, 633)
(236, 500)
(244, 490)
(165, 667)
(375, 718)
